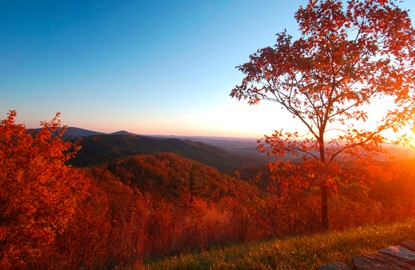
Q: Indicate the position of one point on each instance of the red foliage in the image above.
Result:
(348, 56)
(38, 192)
(53, 216)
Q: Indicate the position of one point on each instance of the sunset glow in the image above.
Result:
(149, 68)
(220, 134)
(142, 67)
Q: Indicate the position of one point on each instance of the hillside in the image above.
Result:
(169, 176)
(101, 148)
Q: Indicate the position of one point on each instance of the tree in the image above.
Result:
(38, 191)
(349, 54)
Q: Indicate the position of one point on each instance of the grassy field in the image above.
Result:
(304, 252)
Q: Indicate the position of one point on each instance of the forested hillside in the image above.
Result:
(101, 148)
(119, 212)
(168, 175)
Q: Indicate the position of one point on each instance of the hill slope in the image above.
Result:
(169, 176)
(101, 148)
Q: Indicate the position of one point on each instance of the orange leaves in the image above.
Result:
(38, 192)
(347, 55)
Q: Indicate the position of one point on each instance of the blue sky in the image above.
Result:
(149, 67)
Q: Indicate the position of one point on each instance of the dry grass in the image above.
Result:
(304, 252)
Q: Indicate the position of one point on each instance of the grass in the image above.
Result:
(302, 252)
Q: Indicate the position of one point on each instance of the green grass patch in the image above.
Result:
(303, 252)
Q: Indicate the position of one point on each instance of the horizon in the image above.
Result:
(213, 137)
(150, 68)
(152, 135)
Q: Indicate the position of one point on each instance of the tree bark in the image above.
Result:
(324, 208)
(324, 187)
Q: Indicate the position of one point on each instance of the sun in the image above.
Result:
(404, 137)
(410, 137)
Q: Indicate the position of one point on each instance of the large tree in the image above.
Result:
(349, 54)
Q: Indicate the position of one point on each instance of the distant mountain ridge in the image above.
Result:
(103, 148)
(72, 132)
(122, 132)
(224, 154)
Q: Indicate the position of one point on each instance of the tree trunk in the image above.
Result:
(324, 208)
(324, 187)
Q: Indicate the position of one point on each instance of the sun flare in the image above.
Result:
(411, 136)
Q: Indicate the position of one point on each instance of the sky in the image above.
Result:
(158, 67)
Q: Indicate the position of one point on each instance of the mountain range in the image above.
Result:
(102, 148)
(223, 153)
(99, 147)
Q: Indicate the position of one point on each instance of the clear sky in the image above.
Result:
(150, 67)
